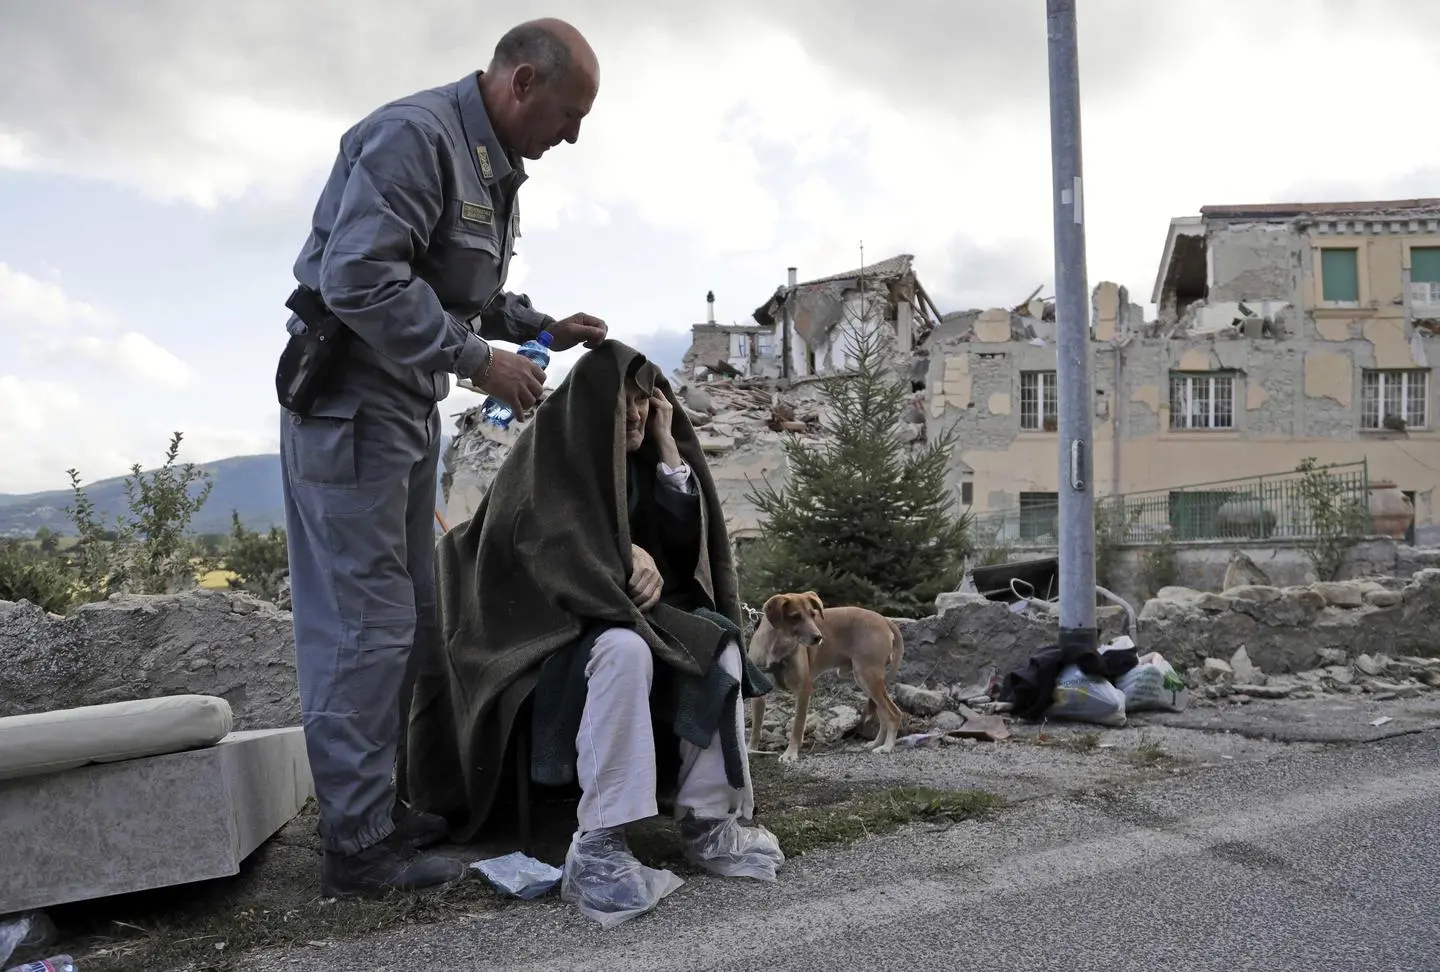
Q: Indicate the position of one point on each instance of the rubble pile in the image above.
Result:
(135, 646)
(729, 415)
(1286, 629)
(1377, 677)
(834, 716)
(970, 636)
(476, 451)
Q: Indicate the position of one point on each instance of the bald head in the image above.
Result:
(553, 47)
(540, 85)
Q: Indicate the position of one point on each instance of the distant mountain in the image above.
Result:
(248, 484)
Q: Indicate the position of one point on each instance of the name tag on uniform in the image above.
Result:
(515, 225)
(476, 213)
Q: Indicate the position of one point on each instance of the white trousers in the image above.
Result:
(616, 744)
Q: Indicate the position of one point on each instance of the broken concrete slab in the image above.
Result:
(1245, 670)
(970, 639)
(140, 646)
(922, 702)
(116, 828)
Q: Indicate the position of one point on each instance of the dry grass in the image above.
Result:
(217, 580)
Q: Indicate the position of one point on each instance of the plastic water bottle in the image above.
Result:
(55, 963)
(496, 412)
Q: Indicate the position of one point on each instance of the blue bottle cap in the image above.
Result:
(545, 337)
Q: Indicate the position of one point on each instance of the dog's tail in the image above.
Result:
(897, 647)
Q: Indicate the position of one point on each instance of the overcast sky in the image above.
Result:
(159, 160)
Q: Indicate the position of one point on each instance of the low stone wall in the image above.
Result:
(133, 647)
(970, 637)
(242, 649)
(1291, 629)
(1201, 565)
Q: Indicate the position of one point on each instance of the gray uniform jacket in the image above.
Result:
(411, 241)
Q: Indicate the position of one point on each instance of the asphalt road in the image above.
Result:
(1311, 860)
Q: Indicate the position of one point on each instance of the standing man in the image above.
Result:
(410, 245)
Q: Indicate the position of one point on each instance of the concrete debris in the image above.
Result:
(1288, 629)
(1262, 691)
(1405, 678)
(972, 637)
(925, 703)
(1245, 672)
(739, 410)
(1241, 571)
(1372, 666)
(1217, 670)
(220, 643)
(948, 721)
(826, 727)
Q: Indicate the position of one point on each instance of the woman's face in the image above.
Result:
(637, 415)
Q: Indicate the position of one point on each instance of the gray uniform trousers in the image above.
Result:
(359, 485)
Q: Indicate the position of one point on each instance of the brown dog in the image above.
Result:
(798, 639)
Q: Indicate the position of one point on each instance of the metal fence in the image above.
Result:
(1292, 505)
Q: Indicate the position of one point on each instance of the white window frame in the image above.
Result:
(1037, 384)
(1183, 420)
(1424, 293)
(1414, 387)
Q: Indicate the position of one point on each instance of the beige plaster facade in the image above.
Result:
(1254, 363)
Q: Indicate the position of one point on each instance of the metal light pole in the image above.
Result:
(1072, 315)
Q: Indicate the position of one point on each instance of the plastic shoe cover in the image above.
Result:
(605, 881)
(726, 848)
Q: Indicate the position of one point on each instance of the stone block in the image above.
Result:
(116, 828)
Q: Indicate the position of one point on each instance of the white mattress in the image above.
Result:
(49, 742)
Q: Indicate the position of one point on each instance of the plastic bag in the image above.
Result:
(1154, 684)
(1083, 698)
(605, 881)
(25, 931)
(519, 876)
(1119, 644)
(726, 848)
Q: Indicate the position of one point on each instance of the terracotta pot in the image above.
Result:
(1391, 512)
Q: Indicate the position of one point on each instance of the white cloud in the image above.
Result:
(77, 389)
(39, 316)
(206, 443)
(12, 151)
(38, 435)
(136, 356)
(233, 145)
(762, 146)
(28, 304)
(101, 430)
(754, 142)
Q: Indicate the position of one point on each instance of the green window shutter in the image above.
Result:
(1339, 275)
(1425, 264)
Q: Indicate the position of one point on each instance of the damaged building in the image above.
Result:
(808, 328)
(1281, 332)
(748, 387)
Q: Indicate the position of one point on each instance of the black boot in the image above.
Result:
(418, 828)
(389, 866)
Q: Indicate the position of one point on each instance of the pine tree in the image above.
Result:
(864, 518)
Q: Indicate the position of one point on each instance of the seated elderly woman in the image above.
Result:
(596, 582)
